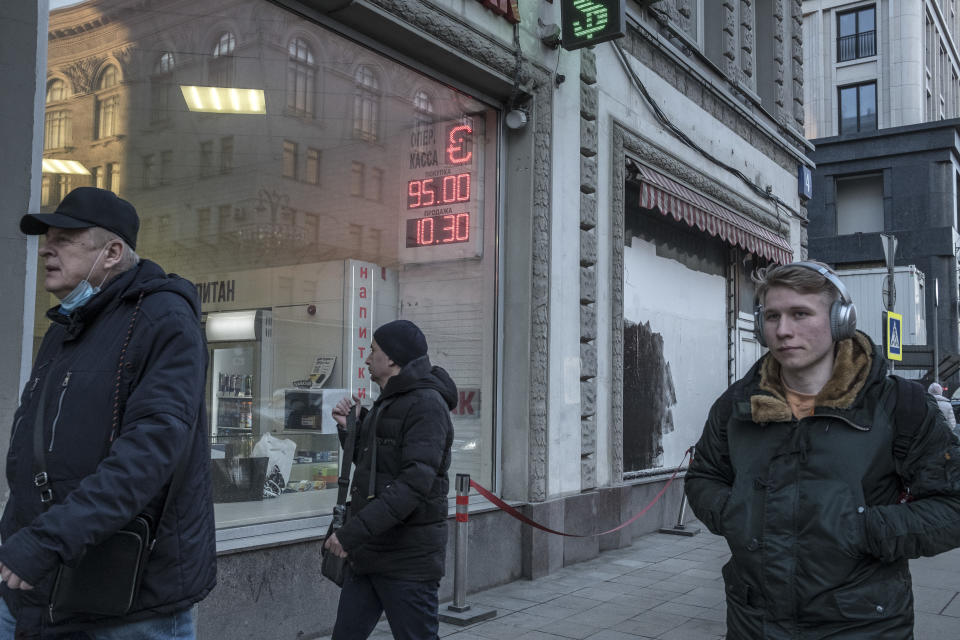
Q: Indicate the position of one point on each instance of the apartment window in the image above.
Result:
(220, 72)
(45, 191)
(204, 232)
(108, 106)
(858, 108)
(206, 158)
(149, 171)
(56, 91)
(56, 130)
(113, 177)
(313, 166)
(356, 179)
(96, 177)
(166, 167)
(856, 34)
(375, 185)
(859, 204)
(161, 84)
(289, 159)
(301, 78)
(226, 154)
(224, 217)
(366, 104)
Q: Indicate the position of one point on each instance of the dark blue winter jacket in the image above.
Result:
(98, 485)
(401, 532)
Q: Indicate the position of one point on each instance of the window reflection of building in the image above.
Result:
(161, 85)
(301, 78)
(206, 158)
(220, 73)
(56, 130)
(312, 172)
(366, 105)
(108, 103)
(289, 159)
(226, 154)
(113, 177)
(265, 194)
(423, 106)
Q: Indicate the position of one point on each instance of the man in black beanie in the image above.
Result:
(395, 536)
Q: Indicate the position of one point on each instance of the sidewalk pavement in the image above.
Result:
(663, 586)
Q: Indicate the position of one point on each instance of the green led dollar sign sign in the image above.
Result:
(587, 22)
(594, 18)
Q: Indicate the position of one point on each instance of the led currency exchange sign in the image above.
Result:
(587, 22)
(443, 191)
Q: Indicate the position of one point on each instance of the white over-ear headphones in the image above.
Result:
(843, 313)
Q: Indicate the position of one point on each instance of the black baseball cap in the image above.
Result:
(86, 207)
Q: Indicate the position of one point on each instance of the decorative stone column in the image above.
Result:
(588, 269)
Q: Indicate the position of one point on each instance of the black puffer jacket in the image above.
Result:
(810, 507)
(402, 532)
(98, 487)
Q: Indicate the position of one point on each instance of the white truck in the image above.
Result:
(866, 287)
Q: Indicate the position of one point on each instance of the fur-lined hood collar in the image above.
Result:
(857, 362)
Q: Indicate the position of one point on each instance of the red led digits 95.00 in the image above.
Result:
(438, 191)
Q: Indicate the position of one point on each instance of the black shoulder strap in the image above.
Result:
(906, 415)
(343, 480)
(374, 419)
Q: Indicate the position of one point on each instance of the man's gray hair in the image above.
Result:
(101, 237)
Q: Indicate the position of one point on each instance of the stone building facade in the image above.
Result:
(596, 306)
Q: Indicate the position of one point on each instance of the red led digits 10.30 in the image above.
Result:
(450, 228)
(431, 192)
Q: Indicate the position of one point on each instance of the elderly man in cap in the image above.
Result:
(111, 425)
(395, 537)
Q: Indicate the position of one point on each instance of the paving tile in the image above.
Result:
(550, 610)
(650, 624)
(610, 634)
(690, 611)
(498, 602)
(603, 618)
(696, 630)
(570, 629)
(703, 597)
(952, 609)
(526, 620)
(931, 627)
(930, 600)
(583, 599)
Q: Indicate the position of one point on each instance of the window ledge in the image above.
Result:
(855, 62)
(284, 532)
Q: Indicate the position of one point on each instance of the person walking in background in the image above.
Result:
(395, 537)
(945, 407)
(113, 409)
(802, 469)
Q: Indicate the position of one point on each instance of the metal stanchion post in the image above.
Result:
(680, 529)
(459, 612)
(460, 549)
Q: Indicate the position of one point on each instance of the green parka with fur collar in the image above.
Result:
(810, 508)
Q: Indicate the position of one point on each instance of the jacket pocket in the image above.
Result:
(880, 598)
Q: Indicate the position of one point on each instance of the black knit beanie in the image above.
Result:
(401, 340)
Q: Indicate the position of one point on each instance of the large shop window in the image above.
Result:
(312, 189)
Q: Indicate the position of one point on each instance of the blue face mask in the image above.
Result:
(81, 293)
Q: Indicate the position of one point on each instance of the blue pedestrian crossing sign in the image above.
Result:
(892, 336)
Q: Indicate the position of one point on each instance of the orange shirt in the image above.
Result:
(801, 404)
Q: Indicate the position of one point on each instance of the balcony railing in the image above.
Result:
(859, 45)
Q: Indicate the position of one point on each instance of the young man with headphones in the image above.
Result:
(803, 465)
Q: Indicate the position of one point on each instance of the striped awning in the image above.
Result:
(657, 191)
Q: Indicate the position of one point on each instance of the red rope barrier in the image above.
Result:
(524, 519)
